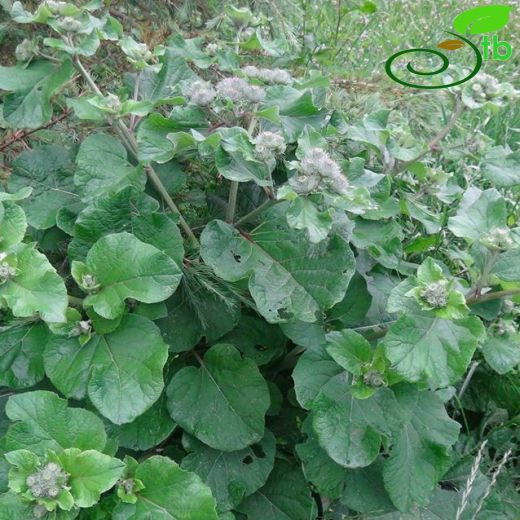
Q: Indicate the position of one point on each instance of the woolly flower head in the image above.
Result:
(435, 294)
(498, 238)
(273, 76)
(211, 49)
(48, 482)
(6, 272)
(238, 89)
(69, 24)
(318, 162)
(201, 93)
(268, 144)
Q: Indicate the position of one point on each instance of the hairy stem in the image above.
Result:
(131, 144)
(233, 189)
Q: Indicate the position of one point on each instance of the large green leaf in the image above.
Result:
(232, 476)
(419, 454)
(286, 496)
(507, 266)
(479, 212)
(146, 431)
(90, 474)
(29, 103)
(124, 267)
(35, 288)
(235, 159)
(289, 278)
(160, 138)
(195, 313)
(383, 240)
(502, 353)
(438, 351)
(42, 421)
(169, 493)
(296, 109)
(158, 86)
(349, 429)
(502, 167)
(48, 170)
(133, 211)
(362, 489)
(257, 339)
(102, 167)
(12, 507)
(314, 369)
(21, 355)
(121, 372)
(222, 403)
(13, 224)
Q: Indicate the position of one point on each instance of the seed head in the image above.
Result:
(201, 93)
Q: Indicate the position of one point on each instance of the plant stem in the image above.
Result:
(233, 189)
(492, 296)
(471, 371)
(252, 214)
(131, 144)
(457, 112)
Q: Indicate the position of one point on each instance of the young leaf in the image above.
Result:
(43, 421)
(29, 104)
(169, 493)
(35, 287)
(222, 403)
(90, 474)
(124, 267)
(430, 349)
(121, 372)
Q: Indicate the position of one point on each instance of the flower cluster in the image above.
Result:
(435, 294)
(498, 239)
(82, 327)
(139, 51)
(268, 145)
(48, 482)
(487, 89)
(272, 76)
(201, 93)
(6, 272)
(212, 49)
(238, 89)
(318, 168)
(69, 24)
(89, 283)
(503, 327)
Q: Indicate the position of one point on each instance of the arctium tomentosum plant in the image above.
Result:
(229, 290)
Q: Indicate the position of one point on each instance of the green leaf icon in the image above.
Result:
(487, 18)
